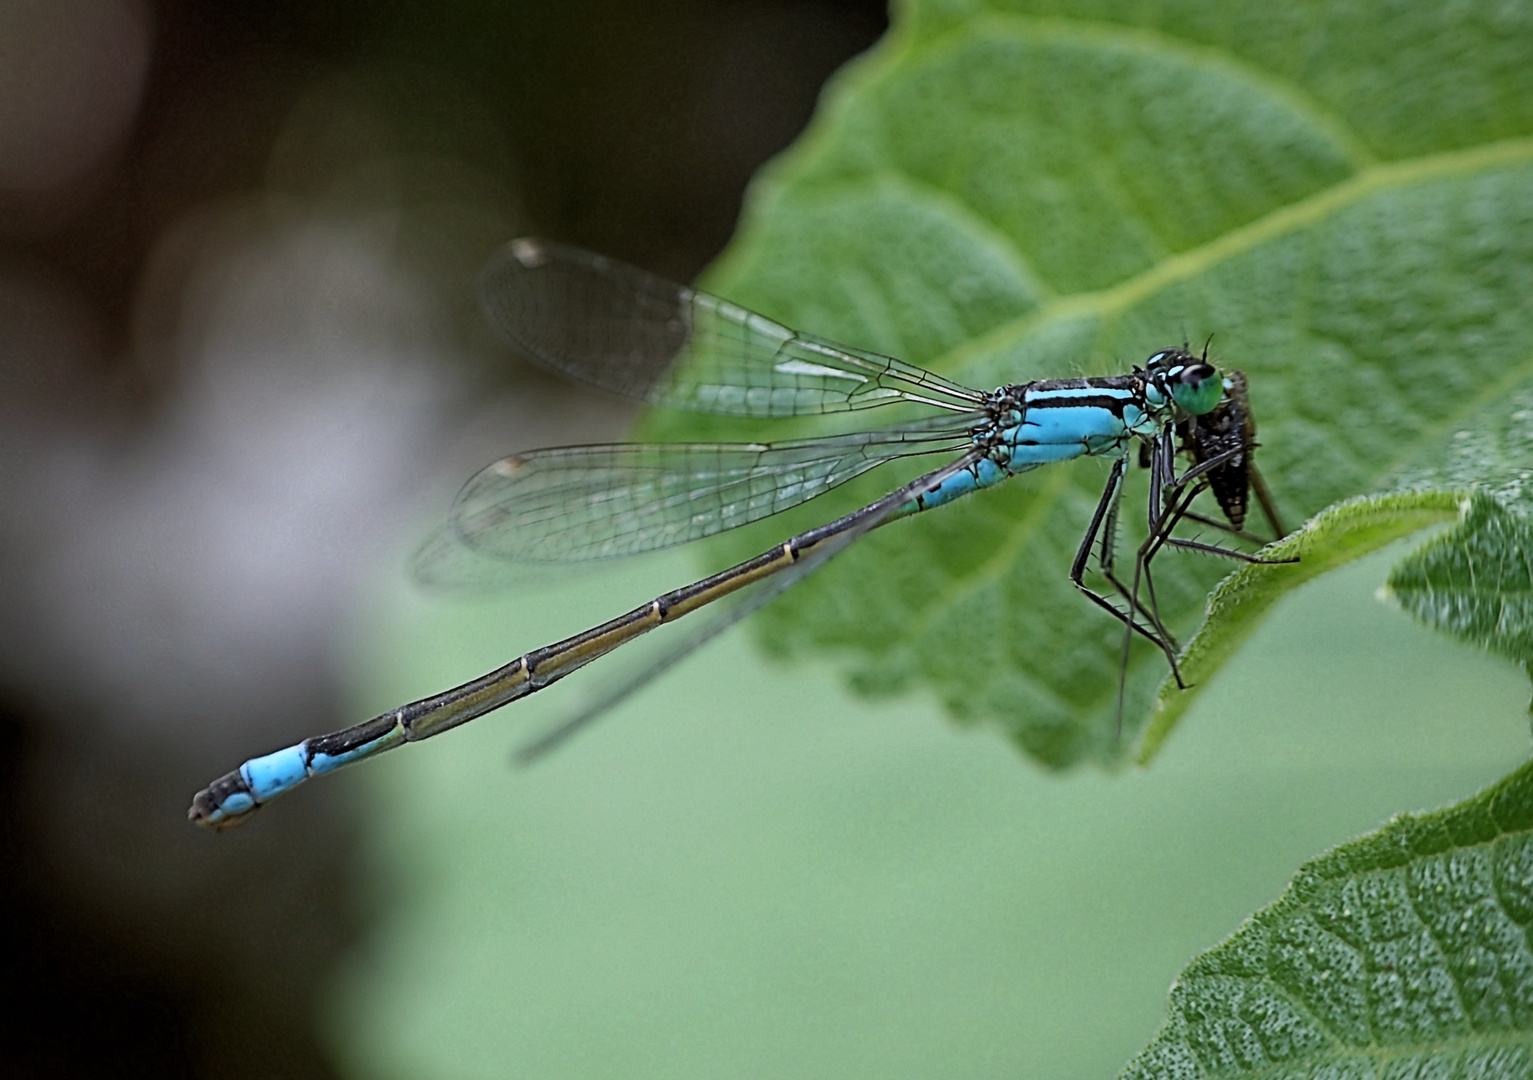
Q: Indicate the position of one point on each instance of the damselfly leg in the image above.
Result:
(1102, 528)
(1220, 445)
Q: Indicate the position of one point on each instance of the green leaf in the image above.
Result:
(1403, 953)
(1341, 193)
(1475, 582)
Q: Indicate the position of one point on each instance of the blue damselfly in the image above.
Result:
(628, 331)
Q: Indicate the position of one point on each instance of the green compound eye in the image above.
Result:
(1197, 388)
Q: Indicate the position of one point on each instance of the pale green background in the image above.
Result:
(746, 872)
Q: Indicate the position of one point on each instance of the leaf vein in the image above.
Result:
(1154, 42)
(1193, 262)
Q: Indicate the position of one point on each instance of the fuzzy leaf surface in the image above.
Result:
(1403, 953)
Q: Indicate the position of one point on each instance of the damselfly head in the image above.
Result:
(1191, 381)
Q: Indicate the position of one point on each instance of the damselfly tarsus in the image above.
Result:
(631, 332)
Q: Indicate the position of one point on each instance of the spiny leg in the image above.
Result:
(1162, 511)
(1223, 526)
(1175, 509)
(1107, 565)
(1110, 495)
(1160, 533)
(1228, 553)
(1152, 546)
(1106, 511)
(1141, 569)
(1169, 504)
(1176, 512)
(1164, 507)
(1185, 513)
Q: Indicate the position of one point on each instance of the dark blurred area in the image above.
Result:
(241, 367)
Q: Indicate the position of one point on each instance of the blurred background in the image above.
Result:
(242, 373)
(241, 368)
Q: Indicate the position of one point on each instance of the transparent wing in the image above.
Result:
(590, 502)
(633, 333)
(618, 689)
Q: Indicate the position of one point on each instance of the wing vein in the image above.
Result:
(633, 333)
(588, 502)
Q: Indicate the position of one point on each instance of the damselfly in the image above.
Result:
(628, 331)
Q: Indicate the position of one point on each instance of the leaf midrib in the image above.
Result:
(1197, 261)
(1146, 41)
